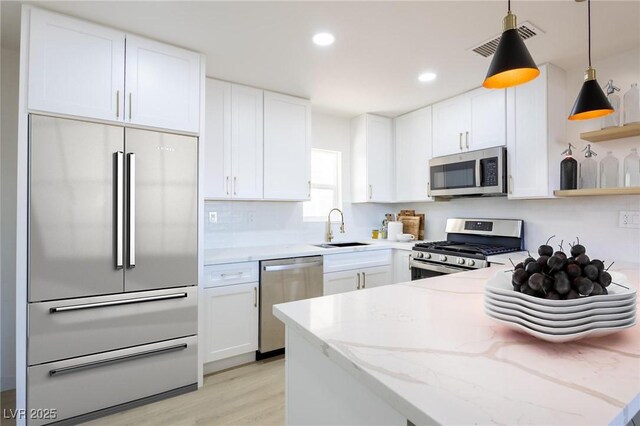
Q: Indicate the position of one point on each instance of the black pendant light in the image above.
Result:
(511, 64)
(591, 101)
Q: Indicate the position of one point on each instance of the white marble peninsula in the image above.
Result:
(424, 352)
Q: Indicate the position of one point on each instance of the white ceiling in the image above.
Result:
(380, 47)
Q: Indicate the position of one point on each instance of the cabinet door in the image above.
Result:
(217, 150)
(401, 268)
(230, 321)
(450, 122)
(163, 85)
(246, 142)
(380, 158)
(527, 145)
(287, 147)
(413, 152)
(488, 119)
(340, 282)
(376, 277)
(75, 67)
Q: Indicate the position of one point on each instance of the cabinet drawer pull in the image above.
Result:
(95, 364)
(117, 302)
(117, 104)
(231, 276)
(358, 287)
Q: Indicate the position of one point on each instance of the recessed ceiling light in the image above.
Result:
(324, 39)
(427, 76)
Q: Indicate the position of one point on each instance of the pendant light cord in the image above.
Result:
(589, 26)
(509, 5)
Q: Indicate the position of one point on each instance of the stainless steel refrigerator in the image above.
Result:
(112, 266)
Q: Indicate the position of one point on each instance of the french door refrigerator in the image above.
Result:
(112, 282)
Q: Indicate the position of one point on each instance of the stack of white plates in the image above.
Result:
(562, 320)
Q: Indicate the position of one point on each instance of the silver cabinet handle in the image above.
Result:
(227, 185)
(291, 266)
(309, 189)
(131, 208)
(358, 288)
(229, 276)
(370, 191)
(119, 207)
(428, 189)
(467, 140)
(460, 134)
(510, 184)
(235, 185)
(117, 302)
(255, 297)
(114, 360)
(117, 104)
(130, 104)
(364, 280)
(410, 258)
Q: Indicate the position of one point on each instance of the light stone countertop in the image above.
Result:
(428, 349)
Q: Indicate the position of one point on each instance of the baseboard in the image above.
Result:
(223, 364)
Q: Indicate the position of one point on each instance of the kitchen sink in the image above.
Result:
(338, 245)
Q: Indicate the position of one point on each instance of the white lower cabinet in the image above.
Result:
(359, 279)
(401, 266)
(339, 282)
(230, 321)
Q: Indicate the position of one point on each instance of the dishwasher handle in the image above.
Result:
(291, 266)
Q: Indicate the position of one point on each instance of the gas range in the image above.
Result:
(469, 243)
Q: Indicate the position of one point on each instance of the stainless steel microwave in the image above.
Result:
(473, 173)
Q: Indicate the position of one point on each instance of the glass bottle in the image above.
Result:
(612, 120)
(589, 169)
(632, 105)
(609, 166)
(632, 169)
(568, 170)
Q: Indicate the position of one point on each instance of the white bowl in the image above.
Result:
(405, 237)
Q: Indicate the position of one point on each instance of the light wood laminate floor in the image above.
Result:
(252, 394)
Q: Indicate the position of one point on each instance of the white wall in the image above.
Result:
(8, 152)
(264, 223)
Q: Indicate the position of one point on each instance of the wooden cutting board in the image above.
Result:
(410, 225)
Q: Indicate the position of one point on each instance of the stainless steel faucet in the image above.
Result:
(329, 234)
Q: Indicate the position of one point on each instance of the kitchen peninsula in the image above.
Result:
(423, 352)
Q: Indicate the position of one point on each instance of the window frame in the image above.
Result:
(337, 202)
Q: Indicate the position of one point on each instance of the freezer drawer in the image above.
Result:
(82, 385)
(77, 327)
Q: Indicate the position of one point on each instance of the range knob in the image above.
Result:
(427, 255)
(472, 262)
(443, 258)
(460, 261)
(419, 255)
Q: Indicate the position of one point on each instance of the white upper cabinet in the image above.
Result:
(217, 152)
(163, 85)
(287, 147)
(75, 68)
(247, 142)
(469, 122)
(536, 134)
(372, 159)
(413, 152)
(78, 68)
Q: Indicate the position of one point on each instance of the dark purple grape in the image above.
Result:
(528, 260)
(586, 286)
(604, 278)
(598, 264)
(591, 272)
(535, 281)
(573, 270)
(553, 295)
(525, 289)
(555, 263)
(583, 260)
(519, 266)
(519, 277)
(547, 284)
(572, 294)
(562, 284)
(561, 255)
(542, 260)
(604, 290)
(571, 260)
(532, 268)
(545, 250)
(597, 290)
(577, 250)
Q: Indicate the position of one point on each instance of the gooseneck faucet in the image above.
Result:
(329, 234)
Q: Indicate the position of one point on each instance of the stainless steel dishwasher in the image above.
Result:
(284, 280)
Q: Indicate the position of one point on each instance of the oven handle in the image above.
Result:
(445, 269)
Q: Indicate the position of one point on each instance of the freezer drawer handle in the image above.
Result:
(95, 364)
(291, 266)
(117, 302)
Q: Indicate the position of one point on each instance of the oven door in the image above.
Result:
(423, 269)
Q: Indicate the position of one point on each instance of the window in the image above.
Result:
(325, 185)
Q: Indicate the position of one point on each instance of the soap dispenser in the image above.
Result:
(588, 169)
(568, 170)
(632, 105)
(612, 120)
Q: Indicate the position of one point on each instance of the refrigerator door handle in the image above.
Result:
(119, 158)
(131, 220)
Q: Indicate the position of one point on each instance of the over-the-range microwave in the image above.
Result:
(473, 173)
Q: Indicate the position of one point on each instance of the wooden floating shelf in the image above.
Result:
(611, 133)
(634, 190)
